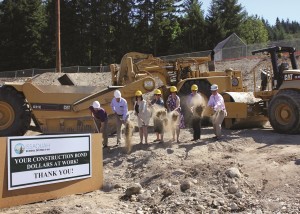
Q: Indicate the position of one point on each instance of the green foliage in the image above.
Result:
(97, 32)
(253, 30)
(193, 36)
(156, 26)
(223, 19)
(21, 27)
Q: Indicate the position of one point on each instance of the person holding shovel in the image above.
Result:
(158, 105)
(120, 108)
(173, 106)
(100, 118)
(195, 103)
(216, 102)
(143, 114)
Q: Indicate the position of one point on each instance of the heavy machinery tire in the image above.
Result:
(203, 87)
(185, 90)
(284, 112)
(15, 115)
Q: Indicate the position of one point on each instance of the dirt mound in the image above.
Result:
(80, 79)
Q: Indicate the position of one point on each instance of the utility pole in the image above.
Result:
(58, 50)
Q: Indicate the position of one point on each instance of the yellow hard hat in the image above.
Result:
(194, 87)
(173, 89)
(157, 91)
(138, 93)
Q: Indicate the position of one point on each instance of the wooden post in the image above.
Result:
(58, 50)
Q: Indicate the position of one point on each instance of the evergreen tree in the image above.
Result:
(121, 28)
(101, 32)
(193, 27)
(142, 21)
(279, 32)
(224, 18)
(49, 35)
(165, 27)
(75, 43)
(155, 25)
(215, 25)
(269, 29)
(21, 27)
(232, 15)
(97, 32)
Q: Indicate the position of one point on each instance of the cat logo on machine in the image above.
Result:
(288, 77)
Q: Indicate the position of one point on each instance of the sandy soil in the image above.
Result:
(193, 177)
(247, 171)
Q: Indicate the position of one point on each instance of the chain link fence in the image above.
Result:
(241, 51)
(36, 71)
(227, 53)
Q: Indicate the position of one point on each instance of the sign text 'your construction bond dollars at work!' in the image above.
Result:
(40, 160)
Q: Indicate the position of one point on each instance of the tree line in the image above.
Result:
(95, 32)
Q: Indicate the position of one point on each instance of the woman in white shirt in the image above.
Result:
(143, 114)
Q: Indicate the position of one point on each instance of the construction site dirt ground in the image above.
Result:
(247, 171)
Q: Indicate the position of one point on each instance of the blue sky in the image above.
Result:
(268, 9)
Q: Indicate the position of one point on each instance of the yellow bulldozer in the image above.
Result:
(64, 108)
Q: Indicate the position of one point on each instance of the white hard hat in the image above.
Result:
(96, 104)
(214, 87)
(117, 94)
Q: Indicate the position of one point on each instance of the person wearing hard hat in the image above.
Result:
(143, 114)
(120, 108)
(158, 103)
(173, 105)
(100, 117)
(195, 101)
(216, 102)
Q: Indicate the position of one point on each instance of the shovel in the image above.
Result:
(95, 124)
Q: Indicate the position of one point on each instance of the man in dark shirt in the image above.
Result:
(101, 119)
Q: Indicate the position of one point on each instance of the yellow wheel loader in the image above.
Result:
(280, 89)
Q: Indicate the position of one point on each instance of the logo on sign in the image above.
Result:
(19, 148)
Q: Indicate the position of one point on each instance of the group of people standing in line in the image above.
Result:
(143, 111)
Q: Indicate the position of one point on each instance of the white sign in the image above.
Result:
(40, 160)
